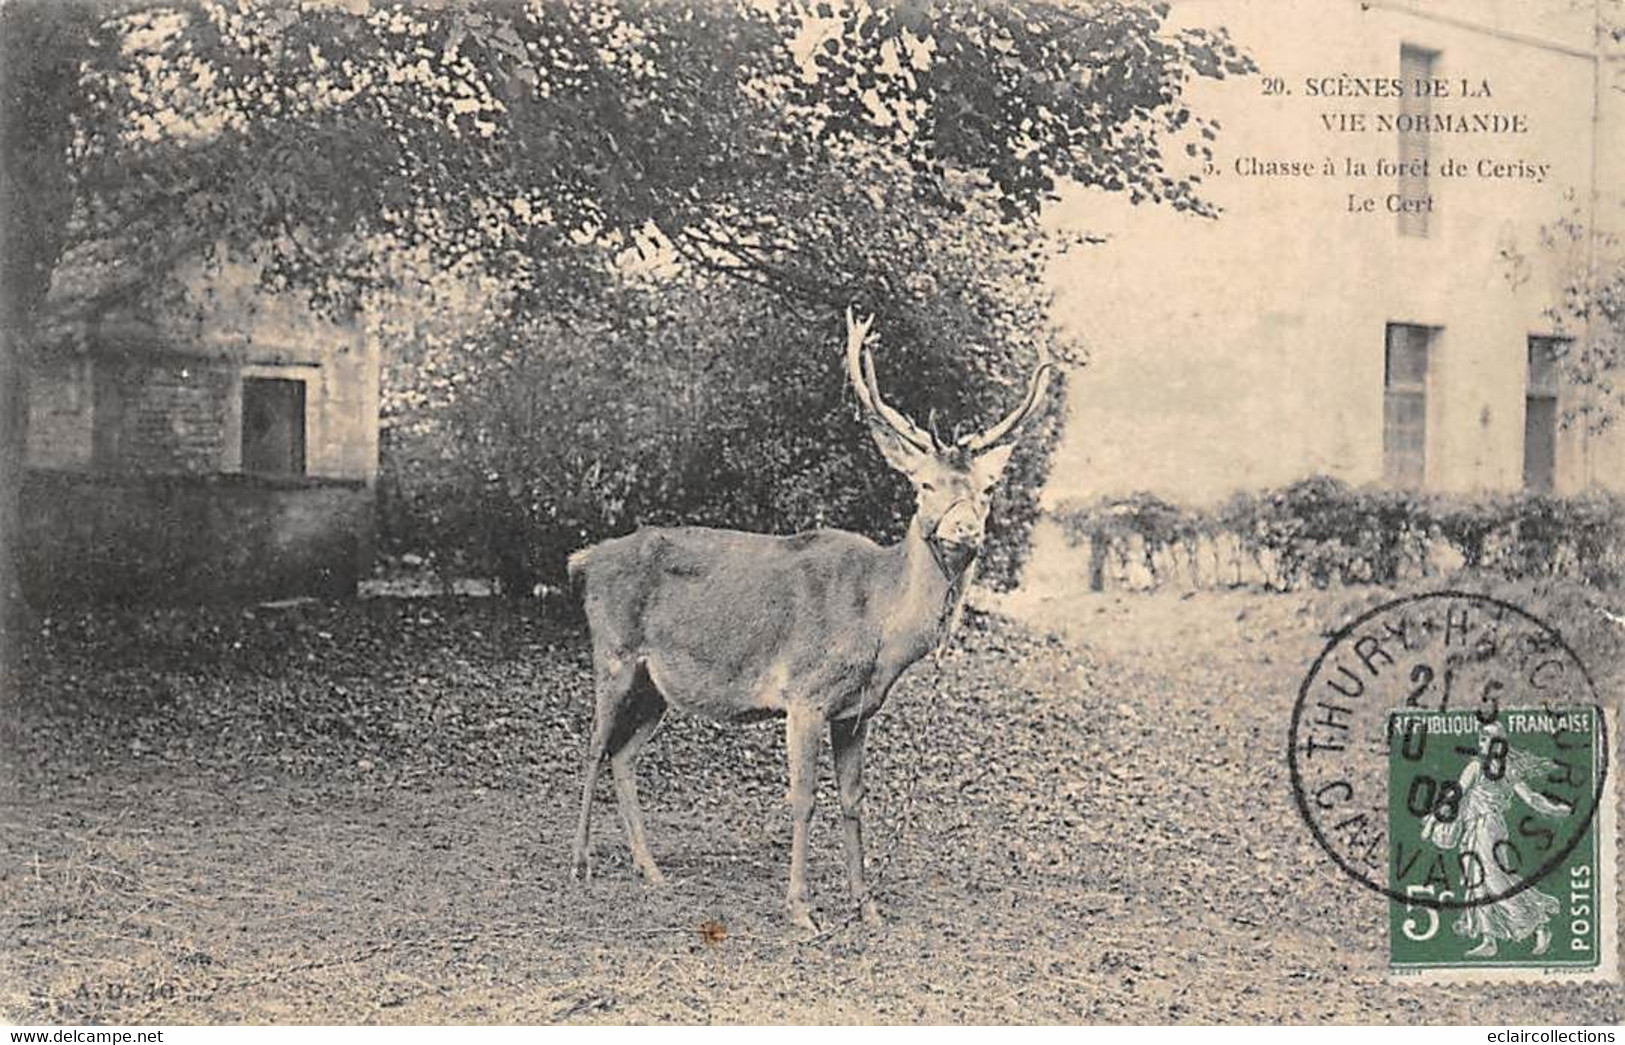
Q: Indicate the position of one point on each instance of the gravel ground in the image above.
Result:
(361, 813)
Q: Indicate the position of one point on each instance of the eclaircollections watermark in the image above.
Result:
(1450, 751)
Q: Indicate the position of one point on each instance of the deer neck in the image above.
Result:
(926, 594)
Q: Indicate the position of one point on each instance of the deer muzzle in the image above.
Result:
(957, 538)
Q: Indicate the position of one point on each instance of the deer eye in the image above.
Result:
(928, 487)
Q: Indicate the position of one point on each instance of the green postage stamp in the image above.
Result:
(1451, 753)
(1478, 819)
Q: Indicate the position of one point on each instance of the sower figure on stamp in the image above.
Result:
(1489, 784)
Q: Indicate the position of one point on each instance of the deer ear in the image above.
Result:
(987, 468)
(898, 452)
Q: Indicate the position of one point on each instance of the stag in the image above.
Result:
(812, 628)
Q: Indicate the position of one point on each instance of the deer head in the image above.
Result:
(953, 484)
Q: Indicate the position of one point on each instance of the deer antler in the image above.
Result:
(979, 441)
(860, 367)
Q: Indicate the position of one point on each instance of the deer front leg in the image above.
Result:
(846, 738)
(802, 732)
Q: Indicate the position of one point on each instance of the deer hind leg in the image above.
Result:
(614, 685)
(846, 738)
(640, 717)
(802, 732)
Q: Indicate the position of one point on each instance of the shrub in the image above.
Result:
(699, 404)
(1547, 536)
(1110, 527)
(1470, 525)
(1320, 530)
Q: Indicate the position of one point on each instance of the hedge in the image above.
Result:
(1320, 531)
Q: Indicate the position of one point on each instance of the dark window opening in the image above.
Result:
(1405, 404)
(1540, 415)
(273, 426)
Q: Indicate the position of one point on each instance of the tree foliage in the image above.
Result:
(705, 400)
(514, 135)
(1590, 309)
(668, 204)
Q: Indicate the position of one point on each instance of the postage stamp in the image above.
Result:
(1450, 751)
(1482, 812)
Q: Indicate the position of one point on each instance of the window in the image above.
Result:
(1540, 415)
(1405, 404)
(273, 426)
(1414, 108)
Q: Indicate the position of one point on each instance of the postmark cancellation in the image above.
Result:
(1450, 752)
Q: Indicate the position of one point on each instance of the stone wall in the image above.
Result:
(186, 539)
(162, 415)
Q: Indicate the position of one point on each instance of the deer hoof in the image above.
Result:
(654, 878)
(801, 916)
(871, 913)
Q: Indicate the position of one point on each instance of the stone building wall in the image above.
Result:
(135, 486)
